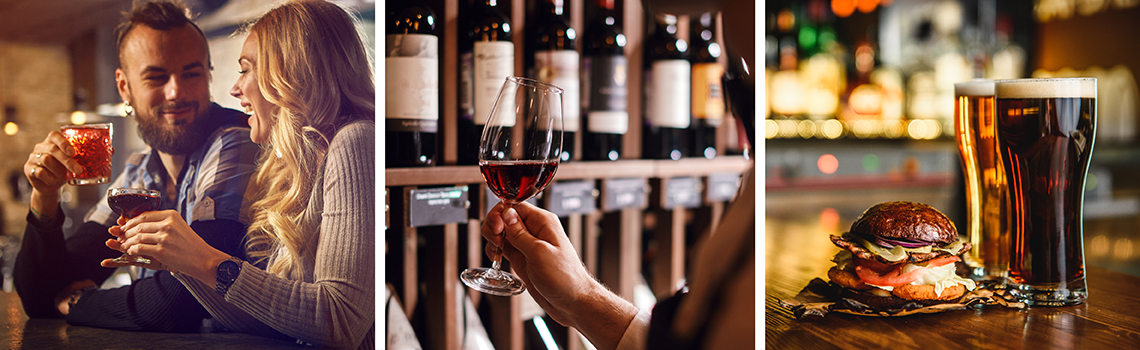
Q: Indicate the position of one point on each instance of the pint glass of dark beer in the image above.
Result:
(986, 186)
(1046, 129)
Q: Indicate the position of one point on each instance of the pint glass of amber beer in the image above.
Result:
(92, 143)
(1046, 129)
(986, 188)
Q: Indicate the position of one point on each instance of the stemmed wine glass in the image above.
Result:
(130, 202)
(518, 155)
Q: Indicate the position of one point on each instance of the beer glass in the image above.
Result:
(1046, 128)
(92, 143)
(986, 187)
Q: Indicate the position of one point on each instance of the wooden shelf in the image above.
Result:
(642, 168)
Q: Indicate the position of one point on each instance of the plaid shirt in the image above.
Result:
(213, 182)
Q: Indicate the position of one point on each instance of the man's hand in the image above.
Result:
(541, 254)
(63, 299)
(47, 170)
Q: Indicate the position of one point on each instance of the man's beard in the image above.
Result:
(177, 139)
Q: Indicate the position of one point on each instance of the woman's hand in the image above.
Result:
(170, 243)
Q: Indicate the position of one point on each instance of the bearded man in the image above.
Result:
(200, 159)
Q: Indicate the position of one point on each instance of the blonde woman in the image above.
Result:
(306, 78)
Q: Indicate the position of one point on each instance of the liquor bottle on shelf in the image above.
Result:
(667, 76)
(604, 80)
(411, 64)
(487, 59)
(708, 97)
(552, 58)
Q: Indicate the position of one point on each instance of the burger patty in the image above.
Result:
(849, 243)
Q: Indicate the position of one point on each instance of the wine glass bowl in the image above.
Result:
(518, 156)
(130, 202)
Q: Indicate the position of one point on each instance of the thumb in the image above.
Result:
(516, 233)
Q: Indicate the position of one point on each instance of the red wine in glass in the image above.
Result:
(130, 202)
(515, 181)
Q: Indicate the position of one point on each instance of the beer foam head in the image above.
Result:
(1046, 88)
(976, 87)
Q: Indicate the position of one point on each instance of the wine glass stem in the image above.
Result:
(496, 263)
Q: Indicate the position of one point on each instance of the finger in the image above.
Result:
(60, 142)
(145, 250)
(114, 244)
(543, 224)
(115, 264)
(517, 234)
(492, 227)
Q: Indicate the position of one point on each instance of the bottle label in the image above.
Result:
(560, 68)
(667, 94)
(466, 86)
(494, 61)
(411, 86)
(708, 98)
(606, 82)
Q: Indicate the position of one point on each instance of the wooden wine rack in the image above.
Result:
(609, 242)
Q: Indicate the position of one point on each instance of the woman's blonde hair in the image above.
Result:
(312, 64)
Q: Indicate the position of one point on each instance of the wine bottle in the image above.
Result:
(411, 89)
(554, 60)
(488, 58)
(708, 96)
(604, 81)
(667, 76)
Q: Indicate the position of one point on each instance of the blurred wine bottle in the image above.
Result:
(411, 65)
(552, 58)
(707, 95)
(487, 59)
(667, 79)
(604, 82)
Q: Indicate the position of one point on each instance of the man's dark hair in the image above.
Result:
(158, 15)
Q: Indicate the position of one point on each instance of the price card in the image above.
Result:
(492, 200)
(565, 198)
(722, 187)
(683, 192)
(437, 206)
(619, 194)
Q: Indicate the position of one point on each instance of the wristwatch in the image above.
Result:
(228, 272)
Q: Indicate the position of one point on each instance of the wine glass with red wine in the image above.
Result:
(518, 155)
(130, 202)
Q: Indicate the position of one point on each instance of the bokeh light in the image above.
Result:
(827, 164)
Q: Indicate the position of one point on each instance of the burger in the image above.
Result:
(900, 255)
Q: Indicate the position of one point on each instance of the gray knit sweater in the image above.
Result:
(334, 305)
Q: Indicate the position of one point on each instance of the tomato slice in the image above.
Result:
(892, 278)
(942, 261)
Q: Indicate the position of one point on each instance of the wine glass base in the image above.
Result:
(492, 282)
(127, 259)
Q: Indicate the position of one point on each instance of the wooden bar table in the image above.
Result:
(798, 250)
(17, 331)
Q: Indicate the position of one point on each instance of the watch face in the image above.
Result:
(228, 270)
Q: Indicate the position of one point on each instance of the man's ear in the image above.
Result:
(121, 83)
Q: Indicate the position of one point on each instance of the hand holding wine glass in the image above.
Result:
(130, 202)
(518, 156)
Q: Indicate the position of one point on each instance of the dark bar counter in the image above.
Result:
(17, 331)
